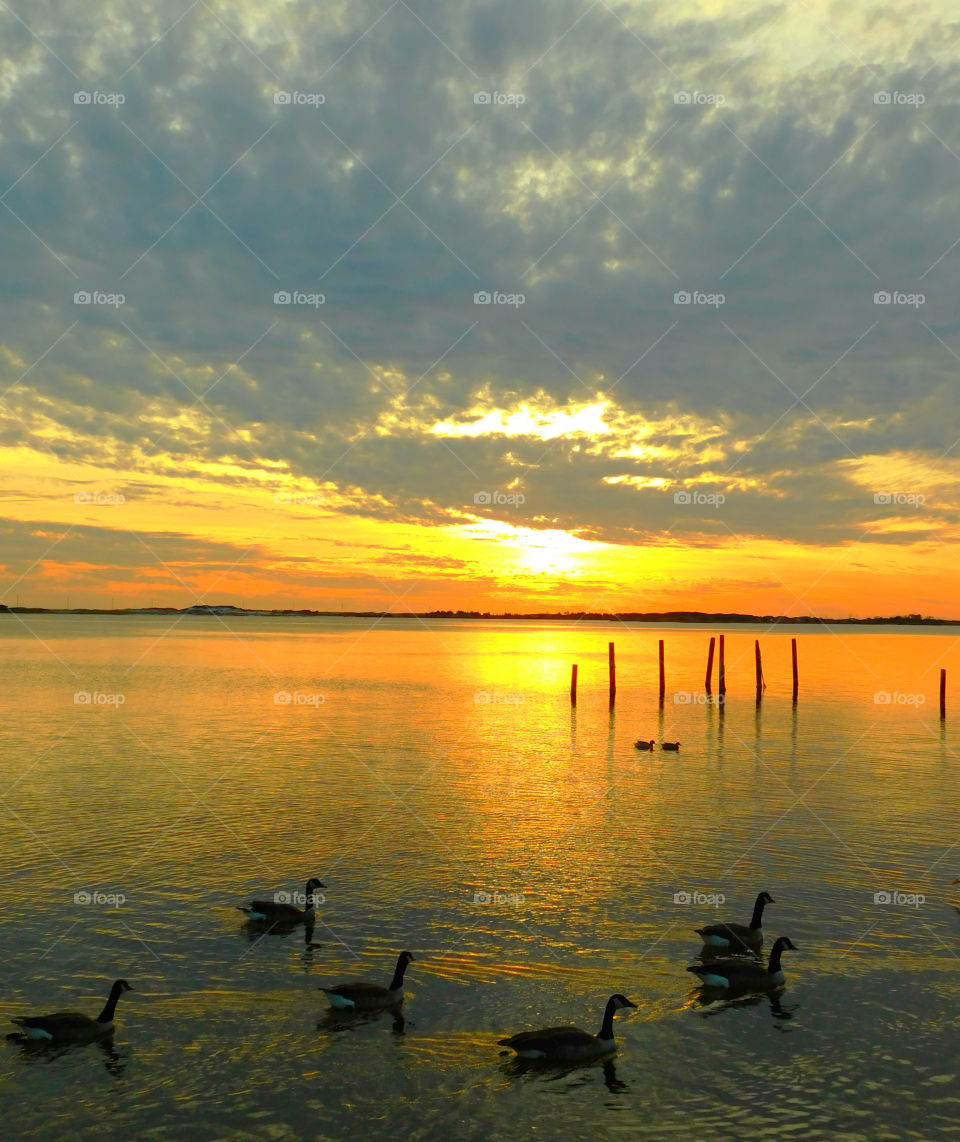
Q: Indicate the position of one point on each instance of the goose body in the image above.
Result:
(743, 973)
(643, 745)
(738, 937)
(281, 913)
(674, 746)
(72, 1026)
(361, 995)
(568, 1044)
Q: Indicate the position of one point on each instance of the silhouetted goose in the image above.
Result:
(674, 746)
(738, 937)
(568, 1044)
(71, 1026)
(643, 745)
(745, 973)
(361, 995)
(279, 912)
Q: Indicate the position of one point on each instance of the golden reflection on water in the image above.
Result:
(440, 785)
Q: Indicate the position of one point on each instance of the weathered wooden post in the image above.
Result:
(722, 674)
(573, 686)
(796, 680)
(663, 680)
(761, 685)
(943, 693)
(611, 661)
(710, 665)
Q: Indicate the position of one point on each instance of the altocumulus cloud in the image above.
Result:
(698, 212)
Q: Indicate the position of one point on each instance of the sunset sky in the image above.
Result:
(782, 442)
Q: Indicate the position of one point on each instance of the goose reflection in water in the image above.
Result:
(255, 932)
(720, 1003)
(583, 1073)
(341, 1019)
(36, 1051)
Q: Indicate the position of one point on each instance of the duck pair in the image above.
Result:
(743, 940)
(649, 745)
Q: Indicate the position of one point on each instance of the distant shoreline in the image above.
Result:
(693, 617)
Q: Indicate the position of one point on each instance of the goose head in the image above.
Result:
(619, 1001)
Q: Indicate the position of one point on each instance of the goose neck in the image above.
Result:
(106, 1015)
(606, 1028)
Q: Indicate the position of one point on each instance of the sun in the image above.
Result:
(550, 551)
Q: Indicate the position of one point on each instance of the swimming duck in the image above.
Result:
(362, 995)
(279, 912)
(568, 1044)
(738, 937)
(71, 1026)
(745, 973)
(643, 745)
(674, 746)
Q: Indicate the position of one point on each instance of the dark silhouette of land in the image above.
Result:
(226, 610)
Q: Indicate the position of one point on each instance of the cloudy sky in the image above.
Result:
(490, 305)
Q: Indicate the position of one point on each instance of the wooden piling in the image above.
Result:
(943, 693)
(796, 679)
(721, 673)
(761, 685)
(663, 679)
(710, 665)
(611, 661)
(573, 685)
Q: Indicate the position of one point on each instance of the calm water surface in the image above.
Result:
(419, 771)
